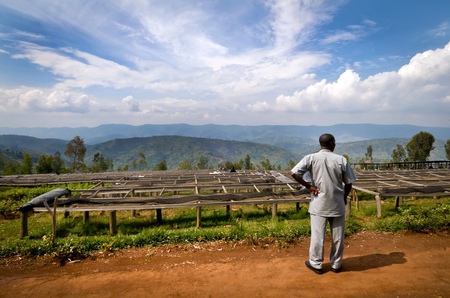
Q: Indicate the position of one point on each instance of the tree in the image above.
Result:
(58, 164)
(44, 165)
(75, 151)
(247, 162)
(420, 146)
(266, 165)
(369, 153)
(99, 163)
(447, 149)
(228, 165)
(110, 163)
(398, 154)
(239, 164)
(50, 164)
(202, 163)
(161, 166)
(185, 165)
(142, 162)
(11, 168)
(291, 164)
(27, 165)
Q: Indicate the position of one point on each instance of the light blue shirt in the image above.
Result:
(329, 173)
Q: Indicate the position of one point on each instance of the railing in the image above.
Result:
(412, 165)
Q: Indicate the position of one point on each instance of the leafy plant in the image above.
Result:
(418, 219)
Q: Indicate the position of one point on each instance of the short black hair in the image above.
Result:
(327, 140)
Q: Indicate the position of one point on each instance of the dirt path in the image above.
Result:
(375, 265)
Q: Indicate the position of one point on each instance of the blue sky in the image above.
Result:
(245, 62)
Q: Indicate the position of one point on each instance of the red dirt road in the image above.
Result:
(375, 265)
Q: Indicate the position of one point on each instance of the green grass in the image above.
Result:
(247, 222)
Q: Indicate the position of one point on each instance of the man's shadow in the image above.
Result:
(373, 261)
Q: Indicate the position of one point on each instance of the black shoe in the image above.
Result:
(317, 271)
(336, 270)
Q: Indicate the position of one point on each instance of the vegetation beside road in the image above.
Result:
(251, 223)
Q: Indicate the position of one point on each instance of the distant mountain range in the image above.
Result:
(218, 143)
(265, 134)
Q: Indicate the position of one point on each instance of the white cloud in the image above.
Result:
(340, 36)
(247, 73)
(421, 85)
(351, 33)
(131, 104)
(442, 30)
(35, 100)
(78, 69)
(369, 22)
(294, 21)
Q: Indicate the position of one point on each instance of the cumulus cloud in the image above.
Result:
(131, 104)
(37, 100)
(422, 84)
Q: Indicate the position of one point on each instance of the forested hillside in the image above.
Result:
(147, 152)
(12, 147)
(175, 149)
(172, 149)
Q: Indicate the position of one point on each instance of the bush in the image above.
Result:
(418, 218)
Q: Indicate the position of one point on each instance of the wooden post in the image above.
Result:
(23, 224)
(348, 207)
(112, 223)
(355, 196)
(228, 210)
(297, 206)
(133, 212)
(378, 199)
(85, 217)
(199, 216)
(398, 201)
(158, 216)
(274, 211)
(55, 203)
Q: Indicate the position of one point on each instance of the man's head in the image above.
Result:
(327, 141)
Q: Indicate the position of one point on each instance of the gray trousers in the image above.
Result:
(318, 230)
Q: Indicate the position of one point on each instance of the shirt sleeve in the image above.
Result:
(302, 167)
(349, 175)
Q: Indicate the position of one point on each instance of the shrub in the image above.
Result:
(418, 218)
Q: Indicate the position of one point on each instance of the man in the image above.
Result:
(331, 183)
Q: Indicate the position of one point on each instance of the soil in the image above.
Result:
(375, 265)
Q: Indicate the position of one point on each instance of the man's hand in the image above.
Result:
(313, 190)
(308, 186)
